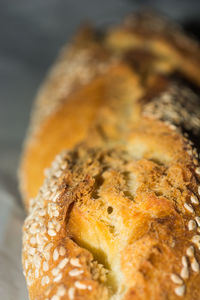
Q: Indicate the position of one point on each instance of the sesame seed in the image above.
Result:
(75, 262)
(61, 290)
(197, 171)
(199, 189)
(71, 292)
(55, 271)
(195, 265)
(51, 232)
(47, 256)
(191, 225)
(198, 220)
(89, 287)
(50, 225)
(55, 297)
(45, 280)
(194, 199)
(33, 241)
(37, 261)
(62, 251)
(190, 251)
(55, 254)
(26, 264)
(189, 207)
(33, 228)
(58, 278)
(40, 239)
(180, 291)
(80, 285)
(184, 261)
(185, 273)
(75, 272)
(58, 226)
(36, 273)
(45, 266)
(43, 229)
(29, 281)
(42, 212)
(56, 213)
(176, 279)
(31, 251)
(196, 240)
(189, 152)
(63, 263)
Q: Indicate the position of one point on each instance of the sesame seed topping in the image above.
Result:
(42, 212)
(195, 265)
(189, 207)
(29, 281)
(36, 273)
(89, 287)
(196, 240)
(33, 229)
(55, 254)
(71, 292)
(33, 241)
(80, 285)
(63, 263)
(194, 199)
(192, 225)
(184, 273)
(176, 279)
(199, 190)
(51, 232)
(58, 226)
(197, 171)
(55, 271)
(45, 280)
(75, 272)
(55, 297)
(184, 261)
(58, 278)
(75, 262)
(56, 213)
(26, 264)
(61, 290)
(31, 251)
(190, 251)
(45, 266)
(62, 251)
(180, 291)
(198, 220)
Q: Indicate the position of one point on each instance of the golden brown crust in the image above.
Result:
(161, 49)
(118, 215)
(119, 212)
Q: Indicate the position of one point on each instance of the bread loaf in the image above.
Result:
(145, 42)
(118, 215)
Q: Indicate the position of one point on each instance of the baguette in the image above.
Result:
(117, 216)
(145, 42)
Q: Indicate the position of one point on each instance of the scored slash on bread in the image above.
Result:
(118, 215)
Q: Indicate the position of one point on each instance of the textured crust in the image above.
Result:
(106, 220)
(118, 215)
(145, 42)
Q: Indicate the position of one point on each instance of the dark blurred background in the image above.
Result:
(31, 33)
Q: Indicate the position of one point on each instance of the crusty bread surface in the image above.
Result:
(147, 43)
(117, 216)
